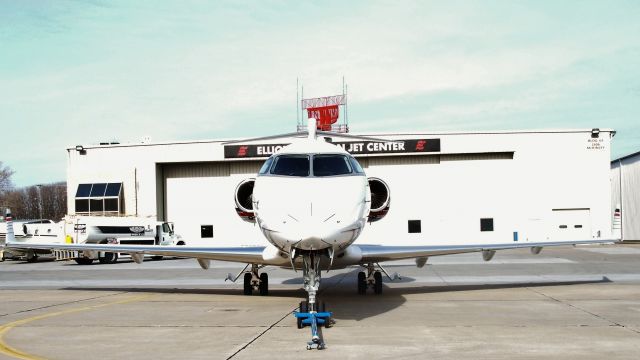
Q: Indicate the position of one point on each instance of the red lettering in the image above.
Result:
(420, 145)
(242, 151)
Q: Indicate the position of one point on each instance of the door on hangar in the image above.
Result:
(198, 198)
(571, 224)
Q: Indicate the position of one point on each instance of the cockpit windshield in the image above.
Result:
(291, 165)
(302, 164)
(266, 166)
(331, 165)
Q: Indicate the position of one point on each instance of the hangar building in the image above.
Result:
(495, 186)
(625, 192)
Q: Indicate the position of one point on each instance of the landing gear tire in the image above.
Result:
(83, 261)
(264, 284)
(32, 258)
(377, 286)
(362, 283)
(108, 258)
(304, 307)
(328, 322)
(248, 289)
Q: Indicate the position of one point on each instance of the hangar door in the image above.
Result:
(571, 224)
(198, 198)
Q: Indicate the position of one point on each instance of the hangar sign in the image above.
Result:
(353, 147)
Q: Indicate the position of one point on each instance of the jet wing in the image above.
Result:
(235, 254)
(380, 253)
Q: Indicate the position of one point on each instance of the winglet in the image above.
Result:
(11, 236)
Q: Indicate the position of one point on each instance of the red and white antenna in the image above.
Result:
(326, 110)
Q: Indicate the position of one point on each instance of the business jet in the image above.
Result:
(307, 229)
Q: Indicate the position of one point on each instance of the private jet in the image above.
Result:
(308, 230)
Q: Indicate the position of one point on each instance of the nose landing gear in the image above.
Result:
(311, 313)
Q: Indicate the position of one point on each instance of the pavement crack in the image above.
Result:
(598, 316)
(438, 275)
(323, 290)
(64, 303)
(260, 335)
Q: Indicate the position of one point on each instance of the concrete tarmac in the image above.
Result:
(566, 303)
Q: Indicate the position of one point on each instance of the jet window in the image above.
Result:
(265, 167)
(331, 165)
(291, 165)
(356, 165)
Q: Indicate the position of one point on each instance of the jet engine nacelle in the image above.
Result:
(380, 199)
(244, 199)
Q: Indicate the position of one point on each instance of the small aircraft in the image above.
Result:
(308, 229)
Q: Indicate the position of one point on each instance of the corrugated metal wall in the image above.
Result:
(399, 160)
(213, 169)
(625, 190)
(191, 170)
(477, 156)
(432, 159)
(245, 167)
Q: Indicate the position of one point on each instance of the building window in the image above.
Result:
(99, 199)
(486, 224)
(415, 226)
(206, 231)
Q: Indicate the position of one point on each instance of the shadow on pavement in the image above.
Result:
(339, 293)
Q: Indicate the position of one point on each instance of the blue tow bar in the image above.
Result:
(314, 319)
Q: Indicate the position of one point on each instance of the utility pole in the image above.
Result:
(39, 186)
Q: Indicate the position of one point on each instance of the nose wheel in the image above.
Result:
(256, 281)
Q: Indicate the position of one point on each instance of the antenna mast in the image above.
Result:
(326, 111)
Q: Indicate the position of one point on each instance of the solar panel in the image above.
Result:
(98, 190)
(113, 189)
(84, 190)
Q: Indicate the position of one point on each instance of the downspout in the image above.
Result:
(135, 185)
(621, 205)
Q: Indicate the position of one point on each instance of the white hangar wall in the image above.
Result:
(625, 192)
(539, 185)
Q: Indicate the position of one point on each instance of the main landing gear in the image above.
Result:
(311, 312)
(373, 279)
(255, 281)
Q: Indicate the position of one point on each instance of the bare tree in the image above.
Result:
(54, 200)
(25, 202)
(5, 178)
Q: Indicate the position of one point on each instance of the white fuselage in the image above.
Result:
(314, 211)
(311, 213)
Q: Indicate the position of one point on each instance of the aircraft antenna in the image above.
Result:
(297, 99)
(312, 128)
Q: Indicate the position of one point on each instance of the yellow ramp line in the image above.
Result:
(13, 352)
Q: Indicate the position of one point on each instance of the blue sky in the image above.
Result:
(81, 72)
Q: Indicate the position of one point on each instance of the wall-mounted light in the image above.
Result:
(595, 133)
(81, 149)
